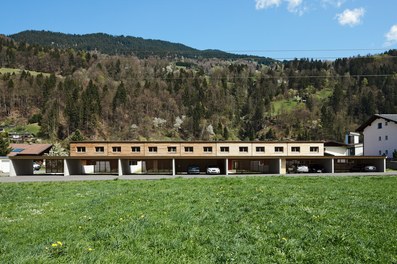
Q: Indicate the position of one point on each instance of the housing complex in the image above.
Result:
(228, 157)
(177, 157)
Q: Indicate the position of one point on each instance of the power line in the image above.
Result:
(280, 77)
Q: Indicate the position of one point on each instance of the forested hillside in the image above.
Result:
(124, 45)
(128, 97)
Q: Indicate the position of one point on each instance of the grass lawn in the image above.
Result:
(217, 220)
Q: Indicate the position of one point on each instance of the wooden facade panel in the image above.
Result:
(196, 149)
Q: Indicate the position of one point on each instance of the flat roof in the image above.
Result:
(187, 142)
(188, 157)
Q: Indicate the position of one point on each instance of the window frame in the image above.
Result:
(207, 149)
(188, 149)
(314, 149)
(135, 149)
(99, 151)
(81, 149)
(279, 149)
(243, 149)
(260, 149)
(296, 149)
(224, 149)
(116, 149)
(152, 149)
(171, 149)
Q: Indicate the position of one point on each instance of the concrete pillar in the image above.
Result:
(332, 165)
(227, 167)
(282, 168)
(12, 169)
(120, 167)
(173, 167)
(384, 165)
(66, 171)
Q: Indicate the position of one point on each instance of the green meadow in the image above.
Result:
(218, 220)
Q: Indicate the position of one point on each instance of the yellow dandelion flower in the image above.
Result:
(54, 244)
(59, 243)
(284, 239)
(90, 249)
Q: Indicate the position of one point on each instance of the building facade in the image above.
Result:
(380, 135)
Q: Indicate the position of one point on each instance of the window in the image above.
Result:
(224, 149)
(386, 137)
(243, 149)
(133, 162)
(100, 149)
(386, 123)
(379, 125)
(387, 152)
(341, 161)
(207, 149)
(278, 149)
(152, 149)
(188, 149)
(314, 149)
(116, 149)
(296, 149)
(135, 149)
(81, 149)
(260, 149)
(380, 153)
(380, 138)
(172, 149)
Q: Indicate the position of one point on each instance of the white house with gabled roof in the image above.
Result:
(380, 135)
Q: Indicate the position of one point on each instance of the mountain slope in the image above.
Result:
(122, 45)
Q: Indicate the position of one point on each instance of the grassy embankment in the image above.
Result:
(218, 220)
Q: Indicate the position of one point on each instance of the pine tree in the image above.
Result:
(4, 147)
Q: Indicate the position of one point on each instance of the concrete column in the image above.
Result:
(66, 171)
(12, 169)
(384, 165)
(282, 169)
(173, 167)
(227, 167)
(120, 167)
(332, 165)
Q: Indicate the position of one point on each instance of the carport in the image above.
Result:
(324, 162)
(156, 165)
(349, 163)
(23, 165)
(181, 165)
(237, 165)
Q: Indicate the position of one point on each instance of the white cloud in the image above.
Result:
(263, 4)
(336, 3)
(391, 36)
(295, 6)
(351, 17)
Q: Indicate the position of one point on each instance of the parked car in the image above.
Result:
(369, 168)
(193, 169)
(316, 168)
(213, 170)
(363, 168)
(36, 166)
(302, 168)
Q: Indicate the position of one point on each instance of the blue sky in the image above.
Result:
(280, 29)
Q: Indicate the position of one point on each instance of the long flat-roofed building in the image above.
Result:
(182, 157)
